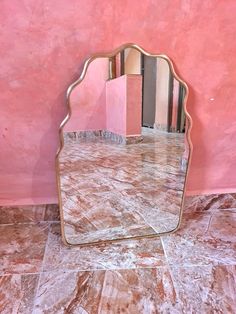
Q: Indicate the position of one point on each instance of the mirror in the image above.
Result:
(125, 149)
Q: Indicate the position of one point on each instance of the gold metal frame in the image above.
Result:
(66, 119)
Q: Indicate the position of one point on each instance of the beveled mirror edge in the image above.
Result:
(67, 117)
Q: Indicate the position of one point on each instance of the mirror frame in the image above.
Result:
(66, 119)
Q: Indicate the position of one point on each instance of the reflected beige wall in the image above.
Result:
(175, 105)
(132, 61)
(162, 88)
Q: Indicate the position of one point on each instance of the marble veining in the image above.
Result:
(22, 247)
(111, 191)
(210, 203)
(206, 289)
(203, 239)
(17, 293)
(120, 291)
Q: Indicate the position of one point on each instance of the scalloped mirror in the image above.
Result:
(124, 149)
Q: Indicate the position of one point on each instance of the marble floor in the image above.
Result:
(190, 271)
(111, 190)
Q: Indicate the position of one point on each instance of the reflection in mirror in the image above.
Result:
(123, 164)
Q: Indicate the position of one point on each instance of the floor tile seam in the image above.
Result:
(182, 264)
(19, 274)
(201, 266)
(44, 211)
(46, 247)
(148, 224)
(101, 269)
(215, 212)
(211, 209)
(175, 286)
(168, 267)
(198, 213)
(212, 262)
(29, 223)
(172, 265)
(200, 238)
(102, 290)
(117, 269)
(41, 269)
(175, 282)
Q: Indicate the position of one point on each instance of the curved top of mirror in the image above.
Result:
(124, 149)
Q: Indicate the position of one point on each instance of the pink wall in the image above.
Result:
(116, 105)
(88, 99)
(124, 105)
(43, 45)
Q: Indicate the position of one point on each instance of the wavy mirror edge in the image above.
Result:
(67, 118)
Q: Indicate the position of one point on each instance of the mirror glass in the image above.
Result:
(122, 166)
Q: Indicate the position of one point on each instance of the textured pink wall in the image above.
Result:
(43, 45)
(124, 104)
(88, 99)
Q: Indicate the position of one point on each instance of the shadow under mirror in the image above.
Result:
(123, 164)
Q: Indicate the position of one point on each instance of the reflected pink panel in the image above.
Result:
(123, 105)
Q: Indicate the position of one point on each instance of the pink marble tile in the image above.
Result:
(213, 202)
(22, 247)
(21, 214)
(112, 291)
(203, 239)
(52, 212)
(17, 293)
(29, 213)
(206, 289)
(123, 254)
